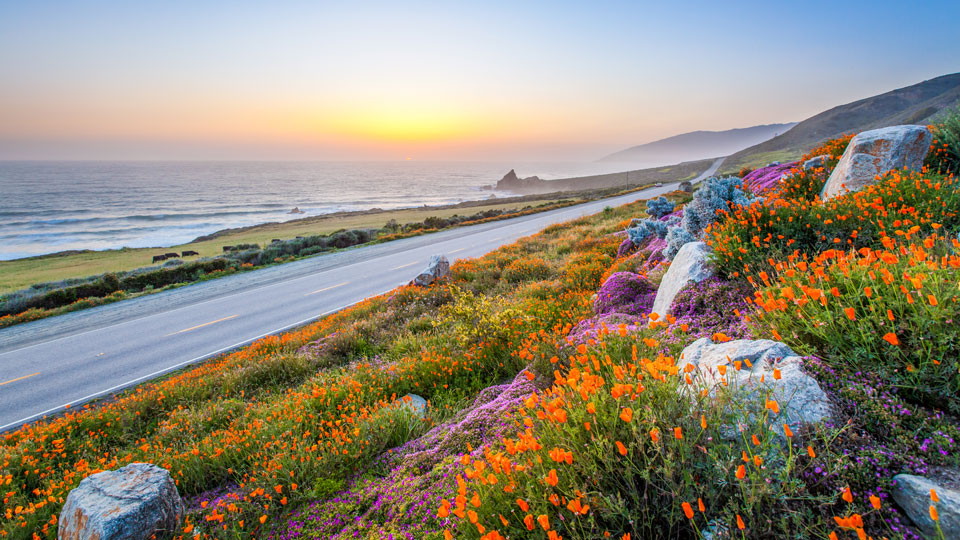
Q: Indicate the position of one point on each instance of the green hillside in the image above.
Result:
(921, 103)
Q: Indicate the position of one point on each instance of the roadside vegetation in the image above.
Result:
(48, 299)
(558, 405)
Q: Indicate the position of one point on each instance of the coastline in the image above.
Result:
(17, 274)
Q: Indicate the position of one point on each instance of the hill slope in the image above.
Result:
(917, 104)
(697, 145)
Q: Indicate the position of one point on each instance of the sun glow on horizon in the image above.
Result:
(405, 124)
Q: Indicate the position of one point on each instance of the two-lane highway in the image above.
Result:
(71, 359)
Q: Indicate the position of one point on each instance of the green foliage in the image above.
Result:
(944, 156)
(893, 312)
(625, 445)
(751, 239)
(527, 269)
(472, 319)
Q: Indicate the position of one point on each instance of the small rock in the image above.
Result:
(816, 162)
(686, 187)
(416, 403)
(131, 503)
(912, 493)
(800, 398)
(690, 264)
(437, 268)
(875, 152)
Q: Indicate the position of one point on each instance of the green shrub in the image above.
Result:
(892, 311)
(471, 318)
(617, 446)
(944, 156)
(750, 239)
(168, 276)
(526, 269)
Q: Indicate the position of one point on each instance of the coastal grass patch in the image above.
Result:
(760, 159)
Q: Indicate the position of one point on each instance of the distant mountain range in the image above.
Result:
(696, 145)
(921, 103)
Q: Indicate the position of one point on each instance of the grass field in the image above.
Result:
(20, 273)
(755, 161)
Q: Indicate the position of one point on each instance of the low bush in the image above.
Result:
(474, 319)
(892, 311)
(754, 236)
(944, 156)
(659, 207)
(711, 306)
(527, 269)
(618, 448)
(627, 293)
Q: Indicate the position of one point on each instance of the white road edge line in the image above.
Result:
(37, 416)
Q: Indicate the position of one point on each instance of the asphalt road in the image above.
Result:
(71, 359)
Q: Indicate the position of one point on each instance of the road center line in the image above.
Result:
(327, 288)
(404, 265)
(202, 325)
(456, 250)
(19, 378)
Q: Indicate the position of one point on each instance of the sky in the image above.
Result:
(479, 81)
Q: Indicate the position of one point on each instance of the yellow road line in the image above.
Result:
(456, 250)
(404, 265)
(19, 378)
(202, 325)
(327, 288)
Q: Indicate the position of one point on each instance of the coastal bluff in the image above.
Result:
(534, 184)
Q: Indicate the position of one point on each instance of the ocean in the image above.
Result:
(51, 206)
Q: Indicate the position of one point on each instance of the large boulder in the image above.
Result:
(912, 493)
(132, 503)
(800, 398)
(686, 187)
(690, 264)
(875, 152)
(437, 268)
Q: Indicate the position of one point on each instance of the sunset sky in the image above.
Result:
(438, 81)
